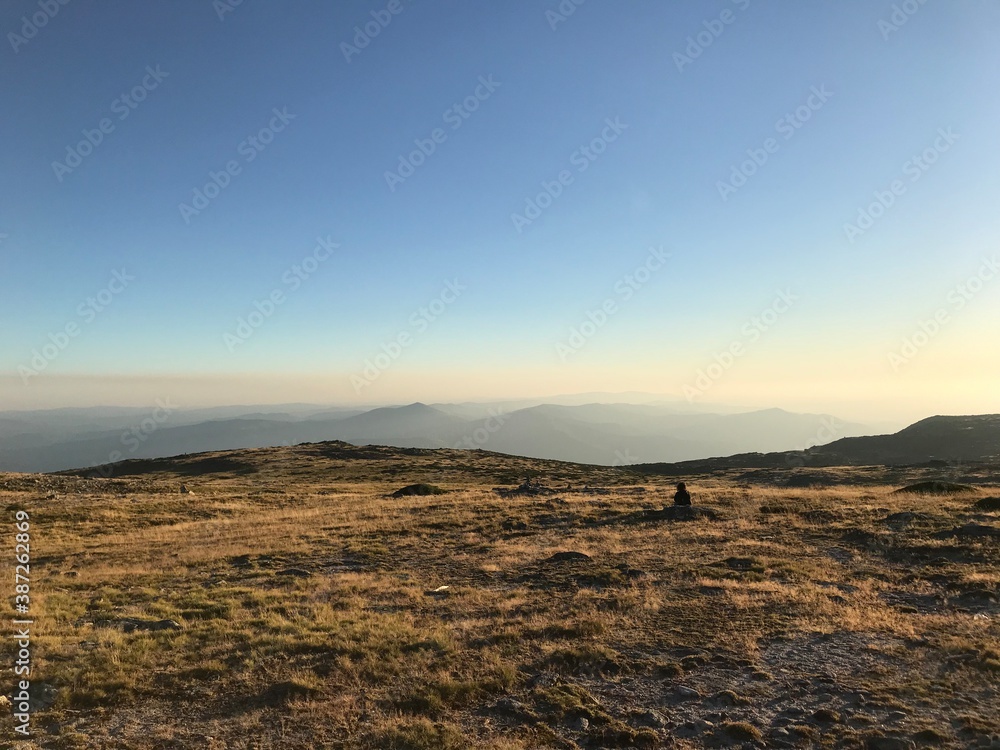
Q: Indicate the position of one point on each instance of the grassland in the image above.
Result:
(308, 611)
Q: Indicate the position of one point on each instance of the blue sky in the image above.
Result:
(888, 92)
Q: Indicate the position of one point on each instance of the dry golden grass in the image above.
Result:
(308, 620)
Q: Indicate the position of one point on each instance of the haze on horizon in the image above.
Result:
(373, 203)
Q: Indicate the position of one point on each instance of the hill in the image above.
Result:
(935, 441)
(283, 597)
(608, 433)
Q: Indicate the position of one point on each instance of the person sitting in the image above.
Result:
(682, 497)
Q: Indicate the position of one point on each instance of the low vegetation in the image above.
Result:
(308, 608)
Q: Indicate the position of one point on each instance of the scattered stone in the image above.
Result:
(727, 698)
(561, 557)
(685, 693)
(629, 572)
(904, 519)
(284, 692)
(580, 724)
(693, 728)
(930, 737)
(825, 716)
(741, 564)
(131, 624)
(649, 719)
(440, 591)
(988, 504)
(528, 488)
(418, 489)
(971, 531)
(976, 597)
(294, 573)
(43, 695)
(511, 524)
(881, 742)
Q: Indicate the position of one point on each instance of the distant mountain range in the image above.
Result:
(940, 439)
(571, 430)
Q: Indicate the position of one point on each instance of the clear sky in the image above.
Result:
(773, 204)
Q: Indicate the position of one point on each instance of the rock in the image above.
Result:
(294, 573)
(728, 698)
(580, 724)
(971, 531)
(511, 524)
(418, 489)
(43, 695)
(649, 719)
(881, 742)
(282, 693)
(825, 716)
(904, 519)
(685, 693)
(693, 728)
(930, 737)
(561, 557)
(131, 625)
(988, 504)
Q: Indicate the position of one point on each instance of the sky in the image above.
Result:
(769, 204)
